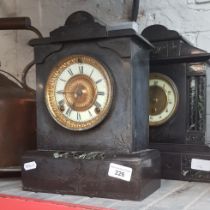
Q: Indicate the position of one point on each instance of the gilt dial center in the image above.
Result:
(80, 92)
(158, 100)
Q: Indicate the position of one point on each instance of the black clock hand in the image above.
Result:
(62, 92)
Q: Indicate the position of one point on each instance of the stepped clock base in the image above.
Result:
(92, 174)
(186, 166)
(184, 162)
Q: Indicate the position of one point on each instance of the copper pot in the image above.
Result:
(17, 122)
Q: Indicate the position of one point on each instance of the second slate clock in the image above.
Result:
(178, 105)
(79, 92)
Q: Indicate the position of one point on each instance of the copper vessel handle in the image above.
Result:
(15, 23)
(18, 23)
(24, 75)
(13, 77)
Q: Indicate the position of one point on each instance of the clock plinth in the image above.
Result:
(180, 135)
(92, 96)
(92, 174)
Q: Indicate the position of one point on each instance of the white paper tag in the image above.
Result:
(200, 164)
(120, 172)
(30, 166)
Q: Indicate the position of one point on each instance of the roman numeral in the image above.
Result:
(68, 111)
(90, 113)
(60, 92)
(100, 93)
(70, 72)
(63, 80)
(91, 73)
(98, 81)
(81, 69)
(97, 104)
(155, 82)
(78, 116)
(61, 102)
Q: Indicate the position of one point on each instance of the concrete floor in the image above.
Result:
(173, 195)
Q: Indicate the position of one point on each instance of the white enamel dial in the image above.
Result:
(163, 99)
(79, 92)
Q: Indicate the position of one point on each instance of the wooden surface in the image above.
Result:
(173, 195)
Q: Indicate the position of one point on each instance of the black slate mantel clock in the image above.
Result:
(92, 113)
(178, 105)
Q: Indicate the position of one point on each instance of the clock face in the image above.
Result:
(79, 92)
(163, 99)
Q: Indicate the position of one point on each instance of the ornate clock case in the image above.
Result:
(181, 137)
(92, 91)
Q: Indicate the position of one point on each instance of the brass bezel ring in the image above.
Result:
(50, 93)
(176, 93)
